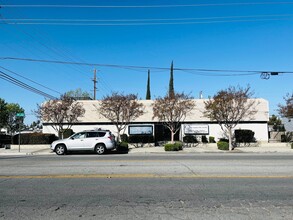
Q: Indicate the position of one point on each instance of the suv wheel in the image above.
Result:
(60, 149)
(100, 149)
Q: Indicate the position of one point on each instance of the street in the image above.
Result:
(147, 186)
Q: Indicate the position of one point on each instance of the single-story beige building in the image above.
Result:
(195, 123)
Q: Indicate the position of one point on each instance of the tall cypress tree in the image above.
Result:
(171, 83)
(148, 93)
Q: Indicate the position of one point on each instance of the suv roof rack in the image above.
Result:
(98, 129)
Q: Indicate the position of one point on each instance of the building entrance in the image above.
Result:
(162, 133)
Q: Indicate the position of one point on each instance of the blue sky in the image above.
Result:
(260, 42)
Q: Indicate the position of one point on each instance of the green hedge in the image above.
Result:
(34, 138)
(5, 139)
(212, 139)
(124, 138)
(287, 137)
(190, 139)
(223, 145)
(174, 147)
(122, 147)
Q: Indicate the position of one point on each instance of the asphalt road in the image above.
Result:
(173, 186)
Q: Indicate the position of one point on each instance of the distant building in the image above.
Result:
(288, 123)
(195, 123)
(82, 98)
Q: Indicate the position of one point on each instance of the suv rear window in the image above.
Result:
(102, 134)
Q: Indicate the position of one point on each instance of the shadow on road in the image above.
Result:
(114, 152)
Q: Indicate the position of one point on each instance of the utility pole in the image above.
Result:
(95, 83)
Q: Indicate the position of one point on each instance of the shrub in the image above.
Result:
(224, 140)
(174, 147)
(124, 138)
(34, 138)
(287, 137)
(292, 145)
(283, 138)
(141, 139)
(170, 147)
(222, 145)
(204, 139)
(190, 139)
(122, 146)
(244, 136)
(212, 139)
(179, 145)
(4, 139)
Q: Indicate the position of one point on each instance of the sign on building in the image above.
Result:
(196, 129)
(140, 130)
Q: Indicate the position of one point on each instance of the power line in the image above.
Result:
(204, 73)
(146, 6)
(63, 52)
(132, 67)
(23, 85)
(11, 20)
(40, 39)
(146, 23)
(30, 80)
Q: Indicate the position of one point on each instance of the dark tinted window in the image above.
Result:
(92, 134)
(102, 134)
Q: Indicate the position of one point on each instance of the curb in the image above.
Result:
(159, 150)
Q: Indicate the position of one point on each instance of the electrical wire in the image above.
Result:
(63, 52)
(40, 39)
(135, 20)
(145, 6)
(194, 70)
(30, 80)
(147, 23)
(144, 22)
(204, 73)
(23, 85)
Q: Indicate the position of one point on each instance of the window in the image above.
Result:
(92, 134)
(140, 130)
(79, 135)
(102, 134)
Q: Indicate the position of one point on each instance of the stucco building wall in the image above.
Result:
(93, 120)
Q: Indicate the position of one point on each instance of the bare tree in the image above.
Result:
(79, 94)
(61, 114)
(172, 110)
(120, 109)
(228, 107)
(287, 109)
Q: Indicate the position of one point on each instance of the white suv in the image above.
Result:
(95, 140)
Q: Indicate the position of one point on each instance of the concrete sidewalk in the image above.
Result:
(202, 148)
(212, 148)
(24, 151)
